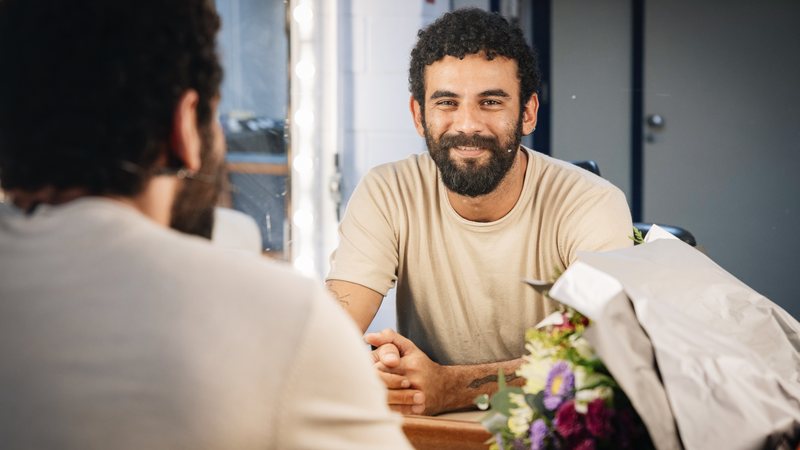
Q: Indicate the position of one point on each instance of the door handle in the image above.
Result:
(655, 121)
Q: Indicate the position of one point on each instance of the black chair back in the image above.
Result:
(679, 232)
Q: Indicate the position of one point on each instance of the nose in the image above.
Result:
(468, 120)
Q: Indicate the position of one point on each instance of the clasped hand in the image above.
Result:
(416, 384)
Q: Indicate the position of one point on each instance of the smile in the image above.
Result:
(469, 152)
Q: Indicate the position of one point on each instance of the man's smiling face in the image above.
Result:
(472, 120)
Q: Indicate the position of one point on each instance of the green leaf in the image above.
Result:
(598, 379)
(495, 422)
(536, 402)
(500, 401)
(637, 236)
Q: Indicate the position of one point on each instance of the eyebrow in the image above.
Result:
(488, 93)
(494, 93)
(441, 94)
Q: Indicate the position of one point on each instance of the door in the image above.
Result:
(722, 138)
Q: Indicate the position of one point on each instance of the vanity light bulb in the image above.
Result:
(303, 219)
(305, 264)
(305, 70)
(304, 118)
(303, 15)
(303, 165)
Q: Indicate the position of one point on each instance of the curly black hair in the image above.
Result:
(470, 31)
(89, 87)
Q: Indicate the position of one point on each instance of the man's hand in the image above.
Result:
(416, 384)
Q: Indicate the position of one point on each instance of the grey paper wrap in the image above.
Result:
(729, 358)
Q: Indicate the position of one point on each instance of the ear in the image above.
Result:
(416, 114)
(185, 137)
(529, 112)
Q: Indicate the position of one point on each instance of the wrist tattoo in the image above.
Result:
(475, 384)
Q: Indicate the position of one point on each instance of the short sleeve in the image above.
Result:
(332, 397)
(368, 250)
(601, 221)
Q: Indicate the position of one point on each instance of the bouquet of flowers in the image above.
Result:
(569, 399)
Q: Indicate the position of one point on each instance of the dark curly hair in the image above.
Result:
(89, 87)
(469, 31)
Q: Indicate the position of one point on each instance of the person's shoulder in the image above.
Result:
(8, 212)
(241, 265)
(556, 172)
(195, 264)
(236, 230)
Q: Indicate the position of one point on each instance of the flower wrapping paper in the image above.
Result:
(728, 358)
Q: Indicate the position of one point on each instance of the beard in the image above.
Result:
(470, 178)
(193, 209)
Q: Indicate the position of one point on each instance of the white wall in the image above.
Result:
(590, 89)
(377, 124)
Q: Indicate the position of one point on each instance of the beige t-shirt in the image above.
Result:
(459, 292)
(118, 333)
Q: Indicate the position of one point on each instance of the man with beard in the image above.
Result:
(116, 331)
(457, 229)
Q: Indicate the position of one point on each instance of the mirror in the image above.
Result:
(253, 45)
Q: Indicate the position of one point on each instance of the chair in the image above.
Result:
(681, 233)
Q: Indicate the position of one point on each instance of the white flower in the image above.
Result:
(556, 318)
(582, 346)
(538, 350)
(521, 416)
(580, 377)
(586, 396)
(535, 371)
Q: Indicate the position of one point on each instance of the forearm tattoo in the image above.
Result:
(342, 298)
(475, 384)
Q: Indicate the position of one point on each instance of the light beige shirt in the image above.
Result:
(118, 333)
(459, 292)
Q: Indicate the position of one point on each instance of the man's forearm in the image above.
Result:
(360, 302)
(465, 382)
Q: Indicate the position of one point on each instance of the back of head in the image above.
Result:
(89, 87)
(470, 31)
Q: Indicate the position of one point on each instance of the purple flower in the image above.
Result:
(598, 418)
(539, 432)
(499, 439)
(560, 382)
(568, 421)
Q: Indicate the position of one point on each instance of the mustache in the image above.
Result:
(475, 140)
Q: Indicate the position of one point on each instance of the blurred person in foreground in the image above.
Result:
(116, 331)
(457, 229)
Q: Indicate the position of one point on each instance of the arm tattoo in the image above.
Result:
(475, 384)
(340, 297)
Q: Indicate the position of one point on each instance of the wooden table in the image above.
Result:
(454, 431)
